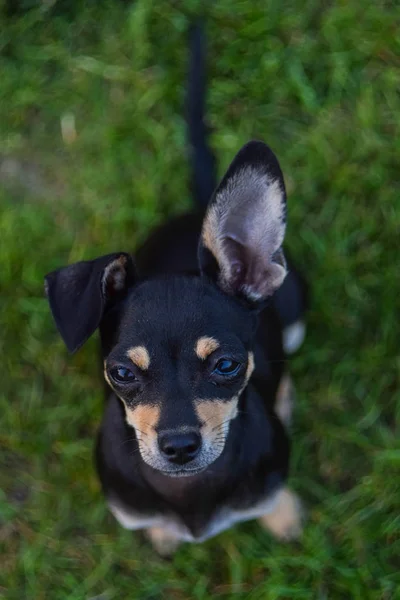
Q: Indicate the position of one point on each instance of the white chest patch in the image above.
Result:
(221, 521)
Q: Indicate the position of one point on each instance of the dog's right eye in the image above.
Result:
(122, 375)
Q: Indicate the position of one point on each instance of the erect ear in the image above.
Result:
(243, 230)
(80, 294)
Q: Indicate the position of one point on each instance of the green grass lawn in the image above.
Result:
(319, 82)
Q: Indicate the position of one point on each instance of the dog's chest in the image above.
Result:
(222, 519)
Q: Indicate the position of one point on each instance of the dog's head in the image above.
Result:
(178, 350)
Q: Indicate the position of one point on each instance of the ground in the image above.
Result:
(92, 155)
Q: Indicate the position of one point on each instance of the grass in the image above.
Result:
(319, 83)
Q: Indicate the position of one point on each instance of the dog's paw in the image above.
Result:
(286, 519)
(163, 542)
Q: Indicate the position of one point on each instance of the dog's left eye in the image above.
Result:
(122, 375)
(226, 367)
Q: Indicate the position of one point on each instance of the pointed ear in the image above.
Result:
(243, 230)
(80, 294)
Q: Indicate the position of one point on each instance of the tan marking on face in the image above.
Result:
(250, 366)
(140, 357)
(215, 416)
(285, 521)
(144, 419)
(206, 346)
(106, 377)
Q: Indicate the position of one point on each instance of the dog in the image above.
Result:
(194, 339)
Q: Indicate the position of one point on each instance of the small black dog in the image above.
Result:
(194, 436)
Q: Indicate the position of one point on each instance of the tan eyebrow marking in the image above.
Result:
(205, 346)
(140, 356)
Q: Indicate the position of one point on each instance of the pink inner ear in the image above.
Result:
(244, 226)
(264, 282)
(235, 275)
(114, 278)
(254, 274)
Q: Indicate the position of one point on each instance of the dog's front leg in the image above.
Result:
(164, 542)
(284, 521)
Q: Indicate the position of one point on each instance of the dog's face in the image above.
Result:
(178, 350)
(180, 361)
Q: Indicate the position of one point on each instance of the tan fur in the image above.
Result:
(167, 531)
(285, 520)
(285, 399)
(140, 357)
(163, 541)
(215, 417)
(250, 367)
(211, 233)
(144, 418)
(206, 346)
(214, 412)
(106, 377)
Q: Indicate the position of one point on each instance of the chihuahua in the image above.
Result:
(195, 336)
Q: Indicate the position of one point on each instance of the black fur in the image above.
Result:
(204, 178)
(255, 459)
(78, 290)
(166, 307)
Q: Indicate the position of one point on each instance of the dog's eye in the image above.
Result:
(227, 367)
(122, 375)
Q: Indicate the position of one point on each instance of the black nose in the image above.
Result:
(179, 448)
